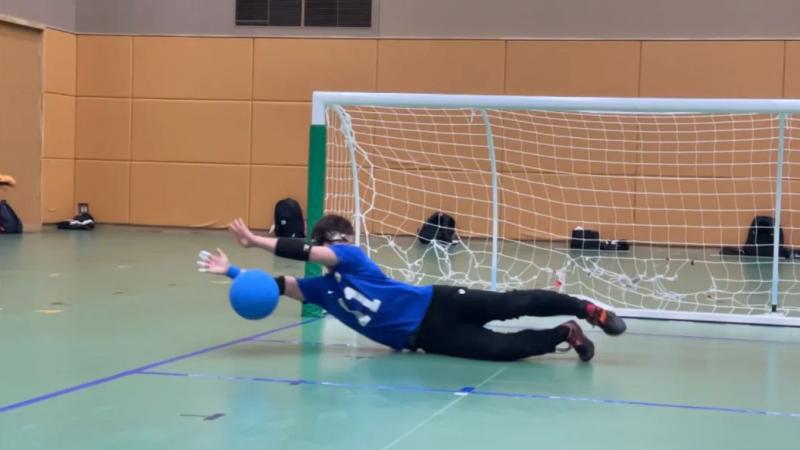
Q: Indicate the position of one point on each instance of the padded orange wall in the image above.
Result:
(197, 131)
(58, 144)
(20, 120)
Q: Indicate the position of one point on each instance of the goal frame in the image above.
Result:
(781, 108)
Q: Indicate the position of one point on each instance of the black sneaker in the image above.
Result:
(610, 323)
(578, 341)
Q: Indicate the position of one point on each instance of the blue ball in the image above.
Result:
(254, 294)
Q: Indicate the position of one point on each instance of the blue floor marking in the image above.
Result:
(127, 373)
(468, 390)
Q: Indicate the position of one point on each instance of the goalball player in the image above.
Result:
(443, 320)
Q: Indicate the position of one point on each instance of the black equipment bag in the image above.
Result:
(440, 227)
(83, 221)
(9, 221)
(585, 239)
(761, 240)
(590, 240)
(289, 220)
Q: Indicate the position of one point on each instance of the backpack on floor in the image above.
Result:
(289, 220)
(9, 221)
(440, 227)
(761, 237)
(761, 240)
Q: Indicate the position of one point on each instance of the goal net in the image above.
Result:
(675, 180)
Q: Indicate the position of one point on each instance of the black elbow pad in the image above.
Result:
(281, 282)
(293, 248)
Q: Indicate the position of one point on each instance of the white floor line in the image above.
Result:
(440, 411)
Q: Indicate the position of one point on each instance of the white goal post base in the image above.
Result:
(774, 319)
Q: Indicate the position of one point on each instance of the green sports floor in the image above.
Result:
(112, 340)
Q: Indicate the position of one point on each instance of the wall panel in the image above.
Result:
(104, 66)
(475, 67)
(577, 68)
(194, 195)
(192, 68)
(191, 131)
(105, 186)
(735, 69)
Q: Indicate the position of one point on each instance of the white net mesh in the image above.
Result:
(676, 187)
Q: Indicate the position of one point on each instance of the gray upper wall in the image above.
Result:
(54, 13)
(592, 19)
(184, 17)
(526, 19)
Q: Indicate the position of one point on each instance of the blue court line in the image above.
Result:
(469, 391)
(297, 382)
(126, 373)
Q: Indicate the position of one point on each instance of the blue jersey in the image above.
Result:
(360, 295)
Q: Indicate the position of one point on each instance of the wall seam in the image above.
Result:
(130, 131)
(641, 69)
(75, 134)
(377, 64)
(505, 67)
(783, 81)
(252, 132)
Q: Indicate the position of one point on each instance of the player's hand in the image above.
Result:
(242, 234)
(213, 263)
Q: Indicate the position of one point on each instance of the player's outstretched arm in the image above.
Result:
(218, 264)
(293, 289)
(246, 238)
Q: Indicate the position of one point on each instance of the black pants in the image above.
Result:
(454, 323)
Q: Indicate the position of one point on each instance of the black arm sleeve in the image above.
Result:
(281, 281)
(293, 248)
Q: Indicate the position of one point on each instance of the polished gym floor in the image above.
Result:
(111, 340)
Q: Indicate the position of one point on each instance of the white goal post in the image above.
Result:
(677, 180)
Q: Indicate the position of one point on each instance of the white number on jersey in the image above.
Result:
(371, 305)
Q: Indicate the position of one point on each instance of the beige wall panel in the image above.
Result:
(460, 67)
(428, 140)
(548, 206)
(741, 146)
(291, 69)
(280, 133)
(579, 68)
(531, 141)
(192, 68)
(712, 69)
(792, 70)
(403, 199)
(59, 126)
(21, 121)
(59, 62)
(104, 66)
(268, 185)
(181, 194)
(790, 219)
(792, 148)
(710, 212)
(103, 129)
(191, 131)
(105, 186)
(58, 190)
